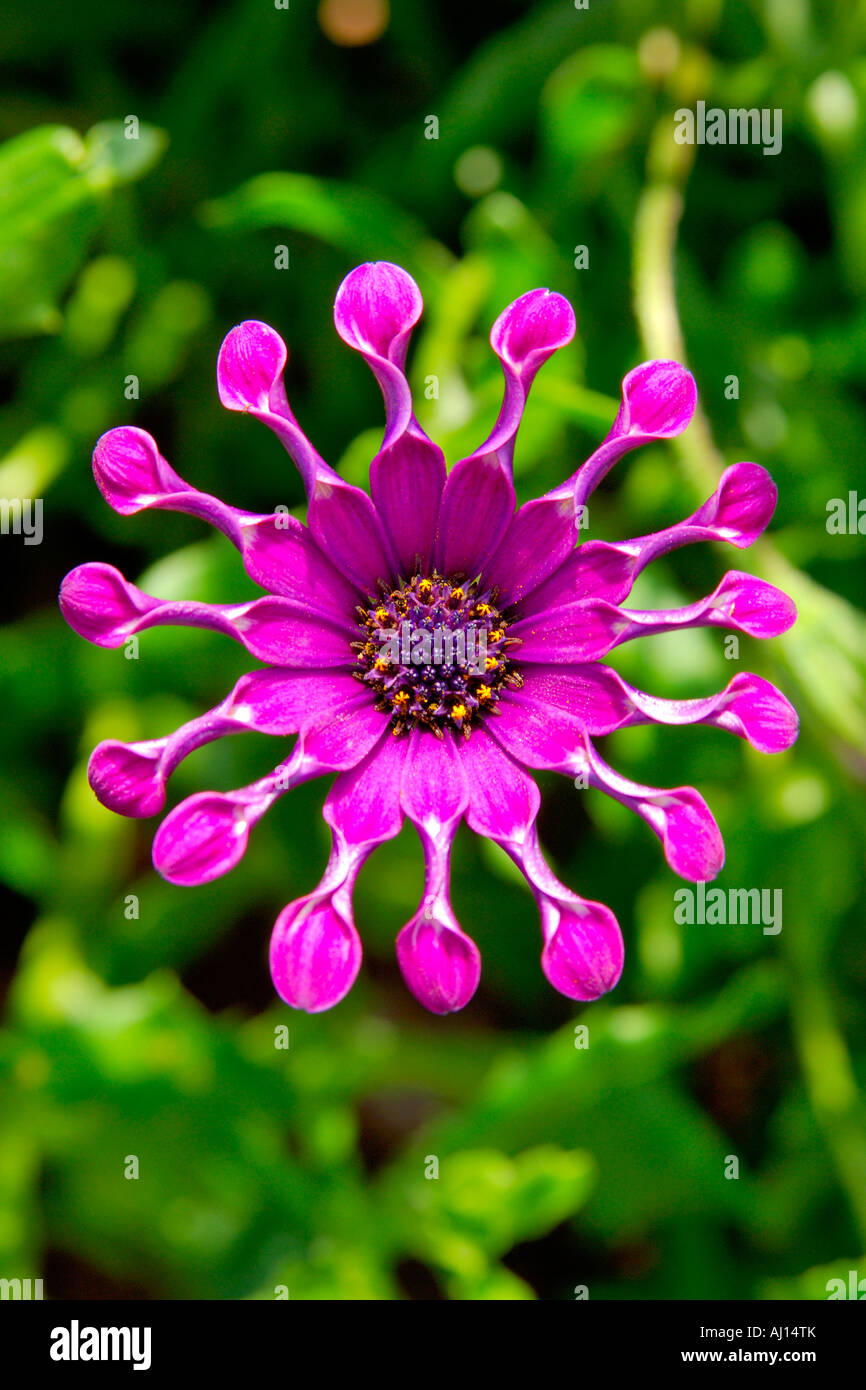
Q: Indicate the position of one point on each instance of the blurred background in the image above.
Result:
(153, 164)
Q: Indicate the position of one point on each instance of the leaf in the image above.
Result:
(53, 187)
(354, 220)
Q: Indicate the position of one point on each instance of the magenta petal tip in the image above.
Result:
(201, 839)
(251, 360)
(532, 328)
(440, 964)
(376, 307)
(583, 954)
(128, 469)
(126, 779)
(658, 400)
(98, 603)
(315, 955)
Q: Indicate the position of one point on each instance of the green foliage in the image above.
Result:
(375, 1152)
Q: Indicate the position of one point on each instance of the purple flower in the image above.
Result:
(428, 644)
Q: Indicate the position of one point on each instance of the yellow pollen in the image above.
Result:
(497, 635)
(458, 713)
(491, 663)
(483, 692)
(457, 593)
(401, 697)
(381, 663)
(482, 610)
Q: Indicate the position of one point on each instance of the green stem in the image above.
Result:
(823, 1053)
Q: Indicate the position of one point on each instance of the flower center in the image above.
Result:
(434, 653)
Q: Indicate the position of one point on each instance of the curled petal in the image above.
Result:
(207, 834)
(250, 378)
(315, 951)
(737, 512)
(741, 507)
(598, 700)
(478, 500)
(130, 472)
(250, 365)
(751, 605)
(583, 950)
(99, 604)
(204, 837)
(690, 837)
(130, 778)
(739, 601)
(588, 629)
(341, 517)
(756, 711)
(376, 308)
(749, 707)
(658, 400)
(440, 963)
(132, 476)
(556, 740)
(278, 552)
(531, 329)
